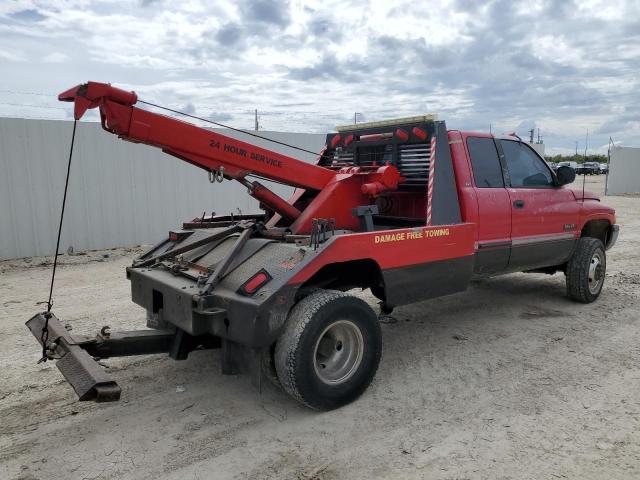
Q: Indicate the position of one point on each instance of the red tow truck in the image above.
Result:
(405, 208)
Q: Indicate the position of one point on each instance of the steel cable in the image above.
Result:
(45, 329)
(229, 127)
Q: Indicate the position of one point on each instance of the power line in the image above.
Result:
(324, 113)
(33, 117)
(317, 112)
(43, 94)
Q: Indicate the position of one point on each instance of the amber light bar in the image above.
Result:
(432, 117)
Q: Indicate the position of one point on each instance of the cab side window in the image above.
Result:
(487, 171)
(526, 169)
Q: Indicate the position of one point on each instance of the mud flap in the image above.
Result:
(85, 375)
(238, 359)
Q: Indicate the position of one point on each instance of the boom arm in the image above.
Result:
(201, 147)
(331, 194)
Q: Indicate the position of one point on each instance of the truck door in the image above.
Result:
(544, 217)
(494, 212)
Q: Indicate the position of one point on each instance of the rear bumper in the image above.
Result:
(250, 321)
(613, 236)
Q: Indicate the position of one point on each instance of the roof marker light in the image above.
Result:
(402, 135)
(418, 132)
(348, 140)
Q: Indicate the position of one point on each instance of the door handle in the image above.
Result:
(518, 203)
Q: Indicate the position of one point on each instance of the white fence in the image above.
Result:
(624, 171)
(120, 193)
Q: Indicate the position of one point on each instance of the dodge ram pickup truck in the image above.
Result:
(405, 208)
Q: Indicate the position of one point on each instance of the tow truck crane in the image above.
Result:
(389, 206)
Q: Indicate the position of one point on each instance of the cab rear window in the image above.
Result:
(485, 163)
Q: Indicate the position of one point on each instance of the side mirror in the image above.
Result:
(565, 175)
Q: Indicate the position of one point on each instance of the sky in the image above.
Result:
(564, 67)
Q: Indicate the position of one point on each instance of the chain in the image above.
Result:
(216, 175)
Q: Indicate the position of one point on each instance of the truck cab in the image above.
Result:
(526, 218)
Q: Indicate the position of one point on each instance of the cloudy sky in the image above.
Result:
(560, 66)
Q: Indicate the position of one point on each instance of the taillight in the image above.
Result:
(178, 235)
(256, 282)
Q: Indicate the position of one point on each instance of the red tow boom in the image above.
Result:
(335, 191)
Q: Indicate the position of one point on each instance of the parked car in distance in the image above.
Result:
(573, 165)
(604, 168)
(588, 168)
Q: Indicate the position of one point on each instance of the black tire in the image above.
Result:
(586, 270)
(340, 324)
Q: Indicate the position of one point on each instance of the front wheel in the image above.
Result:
(586, 270)
(329, 351)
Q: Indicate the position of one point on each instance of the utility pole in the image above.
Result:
(257, 127)
(490, 129)
(586, 144)
(584, 174)
(576, 148)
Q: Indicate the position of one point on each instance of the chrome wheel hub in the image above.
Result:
(596, 273)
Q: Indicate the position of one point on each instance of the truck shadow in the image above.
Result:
(431, 339)
(490, 310)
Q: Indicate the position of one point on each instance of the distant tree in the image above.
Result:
(576, 158)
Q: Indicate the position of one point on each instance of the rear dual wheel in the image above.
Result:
(329, 351)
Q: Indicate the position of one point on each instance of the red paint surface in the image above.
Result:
(413, 246)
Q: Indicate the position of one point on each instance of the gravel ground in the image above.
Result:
(507, 380)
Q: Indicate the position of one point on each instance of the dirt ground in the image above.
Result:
(507, 380)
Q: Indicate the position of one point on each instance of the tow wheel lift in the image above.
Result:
(77, 355)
